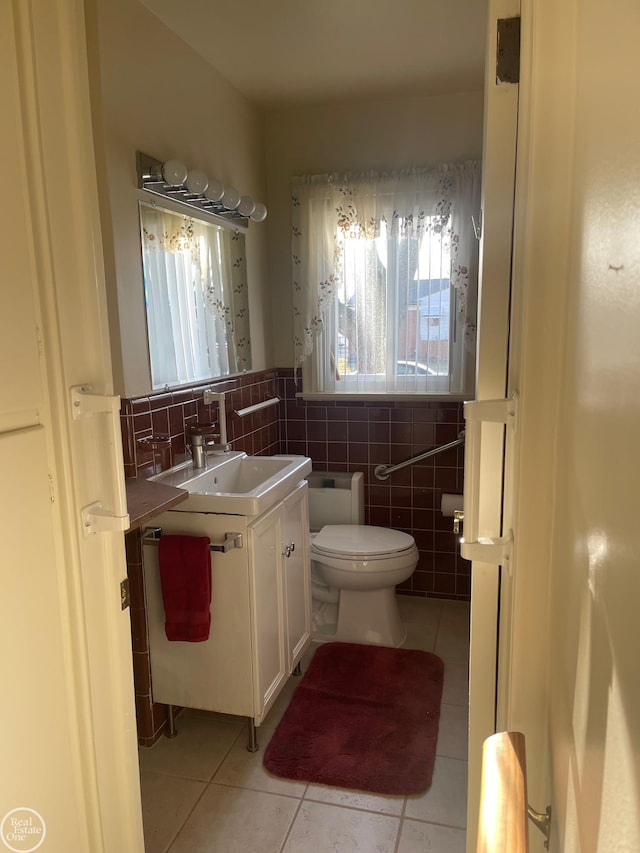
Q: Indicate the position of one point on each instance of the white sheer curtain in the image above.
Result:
(420, 223)
(195, 291)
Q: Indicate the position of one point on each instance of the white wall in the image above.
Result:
(577, 566)
(155, 94)
(342, 136)
(595, 680)
(151, 92)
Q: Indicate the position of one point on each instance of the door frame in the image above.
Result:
(58, 211)
(490, 609)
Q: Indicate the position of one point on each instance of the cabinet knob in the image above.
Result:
(288, 550)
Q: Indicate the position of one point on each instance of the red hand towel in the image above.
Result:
(185, 578)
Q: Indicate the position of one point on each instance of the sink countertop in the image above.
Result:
(146, 499)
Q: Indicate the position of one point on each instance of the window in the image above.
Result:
(196, 298)
(390, 300)
(384, 298)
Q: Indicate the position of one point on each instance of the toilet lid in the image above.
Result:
(360, 540)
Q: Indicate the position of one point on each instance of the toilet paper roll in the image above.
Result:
(450, 503)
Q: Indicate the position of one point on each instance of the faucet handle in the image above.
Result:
(209, 439)
(202, 433)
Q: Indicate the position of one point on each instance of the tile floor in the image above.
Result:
(204, 793)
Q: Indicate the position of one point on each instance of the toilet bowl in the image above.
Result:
(364, 565)
(354, 568)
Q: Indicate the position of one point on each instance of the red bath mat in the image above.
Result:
(363, 717)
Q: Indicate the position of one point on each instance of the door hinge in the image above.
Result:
(508, 50)
(485, 549)
(125, 601)
(96, 517)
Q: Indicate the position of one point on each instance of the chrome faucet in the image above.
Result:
(198, 453)
(201, 444)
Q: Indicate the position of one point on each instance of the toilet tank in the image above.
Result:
(335, 498)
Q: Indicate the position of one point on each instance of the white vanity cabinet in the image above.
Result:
(260, 611)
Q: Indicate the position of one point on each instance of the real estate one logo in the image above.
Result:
(22, 830)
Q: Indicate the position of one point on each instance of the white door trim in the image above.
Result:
(498, 184)
(58, 213)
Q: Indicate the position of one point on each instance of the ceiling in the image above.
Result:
(288, 52)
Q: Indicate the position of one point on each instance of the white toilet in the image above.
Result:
(355, 567)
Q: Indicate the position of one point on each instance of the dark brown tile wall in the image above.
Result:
(155, 427)
(352, 435)
(151, 717)
(347, 435)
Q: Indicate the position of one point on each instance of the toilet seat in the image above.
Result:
(357, 549)
(360, 541)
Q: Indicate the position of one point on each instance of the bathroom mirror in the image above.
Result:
(195, 288)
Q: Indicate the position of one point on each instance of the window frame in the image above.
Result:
(375, 386)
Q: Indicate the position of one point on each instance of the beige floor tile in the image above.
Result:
(308, 656)
(455, 614)
(330, 829)
(453, 633)
(453, 732)
(282, 702)
(421, 637)
(419, 610)
(166, 803)
(355, 799)
(446, 801)
(452, 647)
(417, 837)
(230, 820)
(278, 708)
(246, 809)
(421, 618)
(243, 769)
(456, 682)
(197, 751)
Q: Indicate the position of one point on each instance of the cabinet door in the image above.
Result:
(215, 675)
(266, 595)
(296, 574)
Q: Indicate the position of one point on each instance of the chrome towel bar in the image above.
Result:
(249, 410)
(231, 540)
(382, 472)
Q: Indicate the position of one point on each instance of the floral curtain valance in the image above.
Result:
(409, 202)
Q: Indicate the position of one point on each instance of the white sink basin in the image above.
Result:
(236, 484)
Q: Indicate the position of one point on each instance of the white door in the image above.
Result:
(485, 457)
(69, 778)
